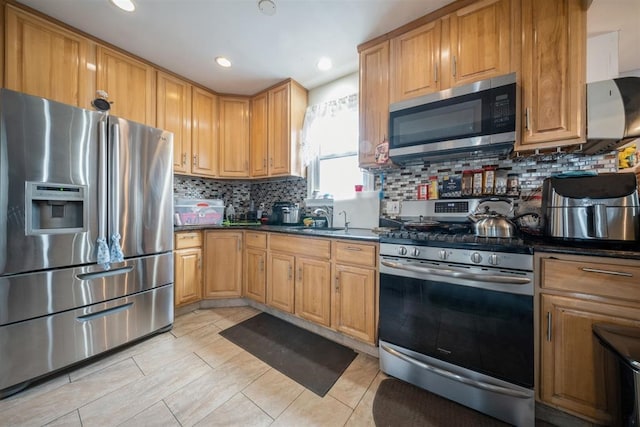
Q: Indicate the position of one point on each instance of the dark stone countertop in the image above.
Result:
(364, 234)
(598, 249)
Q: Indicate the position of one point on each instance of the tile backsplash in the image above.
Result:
(240, 193)
(399, 183)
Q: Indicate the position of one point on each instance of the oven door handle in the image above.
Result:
(512, 280)
(455, 377)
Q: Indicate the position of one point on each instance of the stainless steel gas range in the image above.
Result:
(456, 313)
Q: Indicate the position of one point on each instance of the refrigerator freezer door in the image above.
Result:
(23, 296)
(42, 345)
(141, 188)
(48, 181)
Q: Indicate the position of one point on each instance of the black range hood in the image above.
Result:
(613, 114)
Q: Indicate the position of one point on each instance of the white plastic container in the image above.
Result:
(198, 211)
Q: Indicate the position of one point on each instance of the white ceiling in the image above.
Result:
(185, 36)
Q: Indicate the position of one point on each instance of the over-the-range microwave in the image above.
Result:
(471, 120)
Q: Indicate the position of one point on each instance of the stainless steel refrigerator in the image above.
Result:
(86, 235)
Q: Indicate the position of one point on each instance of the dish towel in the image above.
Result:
(103, 256)
(116, 250)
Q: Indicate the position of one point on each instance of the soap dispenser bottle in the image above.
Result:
(231, 213)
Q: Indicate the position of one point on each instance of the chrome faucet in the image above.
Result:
(325, 212)
(346, 223)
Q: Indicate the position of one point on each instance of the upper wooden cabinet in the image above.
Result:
(277, 116)
(481, 38)
(259, 135)
(234, 137)
(46, 60)
(553, 73)
(130, 84)
(174, 115)
(204, 134)
(470, 44)
(374, 101)
(415, 62)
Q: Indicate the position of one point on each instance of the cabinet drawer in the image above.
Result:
(307, 246)
(189, 239)
(355, 253)
(603, 279)
(255, 239)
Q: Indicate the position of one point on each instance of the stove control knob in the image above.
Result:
(493, 259)
(402, 250)
(415, 252)
(443, 254)
(476, 258)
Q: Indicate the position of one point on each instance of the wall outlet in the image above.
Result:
(392, 208)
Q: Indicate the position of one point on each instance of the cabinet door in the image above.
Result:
(256, 274)
(280, 281)
(45, 60)
(234, 137)
(313, 290)
(223, 264)
(259, 135)
(354, 302)
(554, 73)
(480, 41)
(374, 101)
(204, 137)
(174, 115)
(188, 275)
(279, 130)
(415, 58)
(130, 84)
(572, 361)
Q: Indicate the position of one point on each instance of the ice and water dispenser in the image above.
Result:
(55, 208)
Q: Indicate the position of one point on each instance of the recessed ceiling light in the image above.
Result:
(268, 7)
(126, 5)
(324, 64)
(223, 62)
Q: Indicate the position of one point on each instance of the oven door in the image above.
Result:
(476, 318)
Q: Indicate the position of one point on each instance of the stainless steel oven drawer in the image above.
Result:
(36, 347)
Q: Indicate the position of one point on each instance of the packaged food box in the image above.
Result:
(451, 186)
(198, 211)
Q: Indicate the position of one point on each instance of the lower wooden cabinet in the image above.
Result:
(313, 290)
(280, 282)
(187, 268)
(573, 362)
(255, 266)
(354, 290)
(354, 301)
(576, 293)
(222, 264)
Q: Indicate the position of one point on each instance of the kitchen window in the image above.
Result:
(330, 148)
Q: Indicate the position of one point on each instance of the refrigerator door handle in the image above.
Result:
(103, 257)
(103, 274)
(116, 254)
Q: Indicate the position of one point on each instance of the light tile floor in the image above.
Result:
(192, 376)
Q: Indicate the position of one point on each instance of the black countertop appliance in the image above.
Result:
(285, 213)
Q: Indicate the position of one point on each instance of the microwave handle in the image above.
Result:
(599, 221)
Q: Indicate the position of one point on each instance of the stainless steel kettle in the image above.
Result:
(491, 218)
